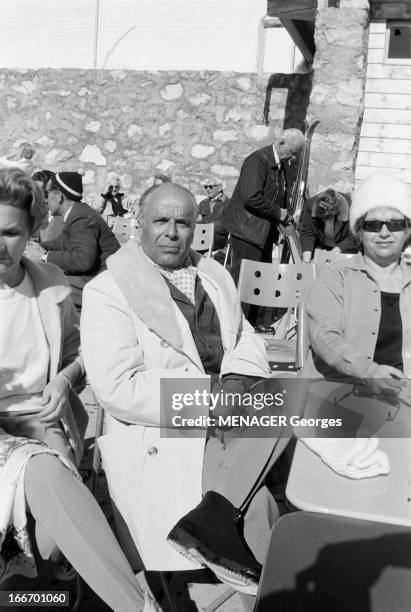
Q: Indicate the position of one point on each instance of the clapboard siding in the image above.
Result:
(359, 180)
(384, 160)
(375, 56)
(383, 100)
(386, 130)
(378, 26)
(385, 145)
(388, 86)
(388, 71)
(362, 172)
(385, 141)
(376, 41)
(387, 115)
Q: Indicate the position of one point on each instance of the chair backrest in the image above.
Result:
(124, 228)
(203, 238)
(322, 562)
(274, 284)
(109, 219)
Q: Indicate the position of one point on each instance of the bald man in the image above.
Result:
(258, 206)
(159, 312)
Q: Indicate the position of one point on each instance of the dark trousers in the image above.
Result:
(241, 249)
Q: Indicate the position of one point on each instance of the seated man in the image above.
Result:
(86, 242)
(162, 311)
(211, 209)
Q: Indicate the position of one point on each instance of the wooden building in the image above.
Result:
(383, 139)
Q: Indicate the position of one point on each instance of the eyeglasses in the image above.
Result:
(393, 225)
(210, 186)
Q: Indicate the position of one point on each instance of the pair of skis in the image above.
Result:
(289, 232)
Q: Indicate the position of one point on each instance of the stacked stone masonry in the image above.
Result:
(186, 124)
(337, 97)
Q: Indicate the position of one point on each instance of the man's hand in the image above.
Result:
(336, 249)
(224, 408)
(55, 396)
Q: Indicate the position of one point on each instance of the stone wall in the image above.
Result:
(337, 97)
(187, 124)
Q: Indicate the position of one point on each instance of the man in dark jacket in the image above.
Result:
(86, 242)
(258, 203)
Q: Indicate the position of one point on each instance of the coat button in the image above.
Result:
(164, 344)
(152, 452)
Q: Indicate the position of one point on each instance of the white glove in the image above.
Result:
(351, 457)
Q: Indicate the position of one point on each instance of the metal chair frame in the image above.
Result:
(203, 239)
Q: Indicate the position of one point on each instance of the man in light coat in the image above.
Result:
(162, 312)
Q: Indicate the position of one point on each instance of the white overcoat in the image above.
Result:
(133, 335)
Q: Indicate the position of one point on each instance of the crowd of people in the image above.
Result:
(75, 305)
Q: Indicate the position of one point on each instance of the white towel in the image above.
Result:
(351, 457)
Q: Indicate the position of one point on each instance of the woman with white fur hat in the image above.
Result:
(359, 309)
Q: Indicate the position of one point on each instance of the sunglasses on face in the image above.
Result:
(210, 186)
(393, 225)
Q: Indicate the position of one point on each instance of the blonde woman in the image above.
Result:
(42, 421)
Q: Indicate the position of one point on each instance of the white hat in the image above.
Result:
(379, 190)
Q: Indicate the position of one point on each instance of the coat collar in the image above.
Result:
(48, 281)
(357, 262)
(50, 288)
(147, 293)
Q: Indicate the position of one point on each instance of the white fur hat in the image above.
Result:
(379, 190)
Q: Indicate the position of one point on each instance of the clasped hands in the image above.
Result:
(55, 399)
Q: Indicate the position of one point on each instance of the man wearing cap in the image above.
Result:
(211, 209)
(258, 204)
(86, 242)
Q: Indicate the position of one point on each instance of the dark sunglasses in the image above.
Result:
(393, 225)
(210, 186)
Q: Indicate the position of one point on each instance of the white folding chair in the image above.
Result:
(124, 228)
(203, 238)
(275, 285)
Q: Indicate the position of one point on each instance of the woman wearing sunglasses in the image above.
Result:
(359, 310)
(359, 320)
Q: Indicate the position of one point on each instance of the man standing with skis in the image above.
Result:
(258, 205)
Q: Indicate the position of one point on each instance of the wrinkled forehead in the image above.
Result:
(169, 208)
(384, 212)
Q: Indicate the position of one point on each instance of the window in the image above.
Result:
(398, 44)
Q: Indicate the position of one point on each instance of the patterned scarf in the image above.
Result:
(184, 278)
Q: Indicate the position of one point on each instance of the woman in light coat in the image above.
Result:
(359, 309)
(42, 422)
